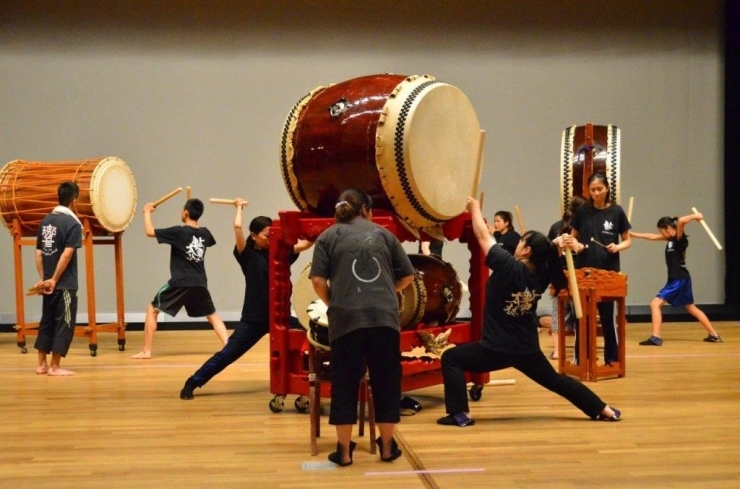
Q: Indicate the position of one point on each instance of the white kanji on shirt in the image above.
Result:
(196, 251)
(48, 233)
(608, 226)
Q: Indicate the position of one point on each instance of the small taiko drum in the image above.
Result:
(107, 199)
(317, 332)
(412, 143)
(443, 289)
(585, 150)
(410, 301)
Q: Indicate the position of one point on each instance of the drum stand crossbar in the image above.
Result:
(290, 372)
(594, 286)
(92, 328)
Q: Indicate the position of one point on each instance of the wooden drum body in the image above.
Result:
(411, 143)
(107, 199)
(443, 289)
(585, 150)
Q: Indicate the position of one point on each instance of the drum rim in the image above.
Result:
(392, 166)
(97, 175)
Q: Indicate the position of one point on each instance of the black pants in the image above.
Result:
(378, 348)
(606, 314)
(473, 357)
(244, 337)
(58, 320)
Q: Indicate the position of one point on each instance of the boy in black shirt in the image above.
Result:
(188, 283)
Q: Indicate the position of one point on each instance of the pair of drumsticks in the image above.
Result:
(171, 194)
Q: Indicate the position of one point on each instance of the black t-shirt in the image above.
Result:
(675, 257)
(255, 267)
(512, 292)
(56, 232)
(508, 240)
(187, 254)
(604, 225)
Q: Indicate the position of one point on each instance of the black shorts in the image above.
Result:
(197, 301)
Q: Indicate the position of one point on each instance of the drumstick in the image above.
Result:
(167, 197)
(36, 290)
(222, 201)
(709, 231)
(573, 283)
(502, 382)
(479, 163)
(593, 240)
(629, 209)
(188, 192)
(519, 217)
(480, 200)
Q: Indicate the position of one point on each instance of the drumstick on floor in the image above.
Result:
(709, 231)
(167, 197)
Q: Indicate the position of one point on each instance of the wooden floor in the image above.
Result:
(120, 423)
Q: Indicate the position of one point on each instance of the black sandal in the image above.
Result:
(336, 457)
(460, 419)
(395, 451)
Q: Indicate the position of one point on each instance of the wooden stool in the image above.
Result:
(319, 372)
(594, 286)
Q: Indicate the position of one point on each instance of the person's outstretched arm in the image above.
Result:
(239, 238)
(480, 228)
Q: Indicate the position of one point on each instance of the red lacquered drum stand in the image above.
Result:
(288, 358)
(594, 286)
(92, 328)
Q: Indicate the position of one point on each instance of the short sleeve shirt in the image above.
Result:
(508, 240)
(187, 254)
(605, 226)
(255, 267)
(57, 232)
(512, 293)
(675, 258)
(362, 262)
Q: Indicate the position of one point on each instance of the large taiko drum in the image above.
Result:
(410, 301)
(585, 150)
(107, 199)
(412, 143)
(443, 289)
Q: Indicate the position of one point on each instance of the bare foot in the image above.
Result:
(142, 355)
(59, 372)
(42, 369)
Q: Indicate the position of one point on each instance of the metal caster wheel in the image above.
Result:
(476, 392)
(121, 345)
(301, 404)
(277, 404)
(24, 350)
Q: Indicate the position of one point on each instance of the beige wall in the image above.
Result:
(196, 93)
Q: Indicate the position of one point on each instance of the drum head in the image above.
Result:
(303, 296)
(113, 194)
(427, 151)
